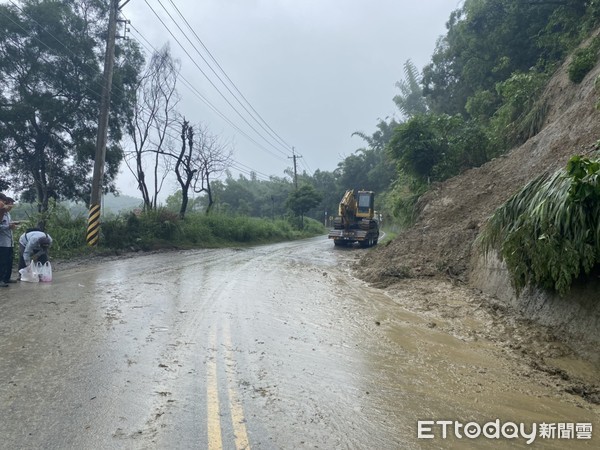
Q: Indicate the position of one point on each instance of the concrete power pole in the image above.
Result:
(93, 229)
(294, 156)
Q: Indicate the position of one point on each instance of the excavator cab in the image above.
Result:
(366, 204)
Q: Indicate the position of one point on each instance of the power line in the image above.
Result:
(254, 116)
(209, 79)
(213, 108)
(305, 164)
(189, 85)
(281, 140)
(236, 164)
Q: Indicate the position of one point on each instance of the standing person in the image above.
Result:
(6, 240)
(33, 245)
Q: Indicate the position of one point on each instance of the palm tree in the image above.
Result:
(410, 101)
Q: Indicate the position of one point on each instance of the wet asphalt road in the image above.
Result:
(272, 347)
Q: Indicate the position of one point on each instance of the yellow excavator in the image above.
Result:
(355, 220)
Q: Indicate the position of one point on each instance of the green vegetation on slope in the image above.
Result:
(548, 233)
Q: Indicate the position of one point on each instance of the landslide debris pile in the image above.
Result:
(451, 214)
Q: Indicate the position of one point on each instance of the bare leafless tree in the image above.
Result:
(185, 168)
(203, 156)
(155, 101)
(213, 157)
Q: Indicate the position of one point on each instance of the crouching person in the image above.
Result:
(33, 246)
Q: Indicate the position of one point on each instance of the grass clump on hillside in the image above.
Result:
(548, 233)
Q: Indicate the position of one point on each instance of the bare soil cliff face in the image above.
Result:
(452, 213)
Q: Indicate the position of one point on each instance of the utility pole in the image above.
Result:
(294, 156)
(93, 228)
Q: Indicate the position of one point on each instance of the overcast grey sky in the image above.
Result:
(315, 70)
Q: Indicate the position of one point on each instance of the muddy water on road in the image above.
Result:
(273, 347)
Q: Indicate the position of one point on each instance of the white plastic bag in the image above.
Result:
(30, 273)
(45, 271)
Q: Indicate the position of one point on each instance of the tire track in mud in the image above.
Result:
(191, 375)
(205, 326)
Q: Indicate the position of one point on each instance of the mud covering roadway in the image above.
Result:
(270, 347)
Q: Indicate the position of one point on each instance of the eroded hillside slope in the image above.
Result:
(452, 213)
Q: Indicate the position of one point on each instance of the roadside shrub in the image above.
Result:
(163, 228)
(197, 232)
(548, 233)
(219, 229)
(313, 226)
(68, 236)
(244, 229)
(145, 231)
(120, 232)
(68, 233)
(584, 60)
(402, 200)
(160, 223)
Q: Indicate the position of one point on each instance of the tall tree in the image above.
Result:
(51, 55)
(417, 146)
(410, 100)
(302, 199)
(326, 183)
(154, 113)
(184, 168)
(377, 164)
(435, 147)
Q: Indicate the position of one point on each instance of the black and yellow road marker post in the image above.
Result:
(93, 226)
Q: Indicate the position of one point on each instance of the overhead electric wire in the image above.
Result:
(252, 113)
(267, 177)
(195, 91)
(210, 81)
(190, 86)
(271, 133)
(247, 169)
(252, 173)
(305, 164)
(234, 163)
(274, 134)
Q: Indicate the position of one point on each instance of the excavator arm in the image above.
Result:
(354, 222)
(347, 209)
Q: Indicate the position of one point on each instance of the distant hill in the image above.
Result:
(122, 203)
(111, 205)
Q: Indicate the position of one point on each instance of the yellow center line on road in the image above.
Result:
(237, 412)
(238, 421)
(215, 441)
